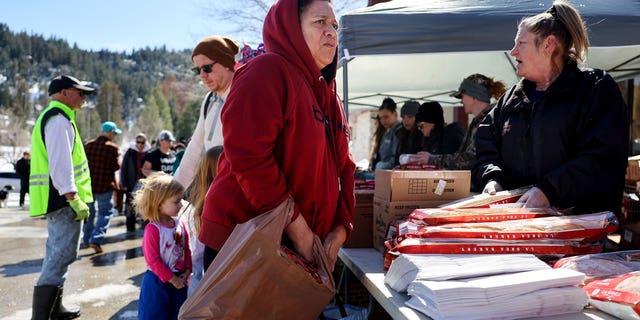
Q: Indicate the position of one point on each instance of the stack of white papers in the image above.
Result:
(541, 303)
(414, 267)
(505, 296)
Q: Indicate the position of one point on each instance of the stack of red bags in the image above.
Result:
(458, 229)
(612, 281)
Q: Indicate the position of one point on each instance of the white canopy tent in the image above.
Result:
(422, 49)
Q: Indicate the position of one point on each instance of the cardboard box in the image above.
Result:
(633, 170)
(385, 212)
(409, 185)
(362, 221)
(629, 236)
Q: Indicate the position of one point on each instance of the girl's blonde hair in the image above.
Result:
(156, 188)
(204, 177)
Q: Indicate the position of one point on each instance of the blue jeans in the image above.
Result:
(97, 233)
(62, 246)
(159, 300)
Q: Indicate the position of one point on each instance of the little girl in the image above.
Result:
(192, 216)
(165, 246)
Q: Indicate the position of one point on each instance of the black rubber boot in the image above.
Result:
(131, 218)
(44, 297)
(60, 312)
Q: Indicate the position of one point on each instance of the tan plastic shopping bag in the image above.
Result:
(253, 278)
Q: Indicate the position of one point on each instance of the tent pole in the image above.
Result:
(630, 105)
(345, 86)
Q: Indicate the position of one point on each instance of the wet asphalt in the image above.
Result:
(104, 286)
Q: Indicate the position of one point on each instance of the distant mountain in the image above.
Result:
(127, 82)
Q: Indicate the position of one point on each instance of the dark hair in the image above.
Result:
(303, 4)
(431, 111)
(388, 104)
(564, 22)
(375, 141)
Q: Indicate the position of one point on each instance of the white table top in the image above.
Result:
(366, 265)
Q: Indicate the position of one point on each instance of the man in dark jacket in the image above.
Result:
(130, 173)
(22, 169)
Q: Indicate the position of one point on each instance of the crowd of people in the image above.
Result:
(561, 129)
(423, 137)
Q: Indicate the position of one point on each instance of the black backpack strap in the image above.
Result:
(48, 115)
(207, 103)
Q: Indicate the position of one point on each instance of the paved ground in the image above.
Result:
(105, 286)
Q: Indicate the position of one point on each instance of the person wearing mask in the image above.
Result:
(214, 60)
(288, 96)
(60, 188)
(562, 129)
(386, 155)
(438, 136)
(131, 173)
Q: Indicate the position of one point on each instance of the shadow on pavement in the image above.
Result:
(110, 258)
(21, 268)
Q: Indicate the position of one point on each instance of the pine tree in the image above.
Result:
(109, 104)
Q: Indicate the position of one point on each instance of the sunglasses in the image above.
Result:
(140, 142)
(80, 92)
(207, 68)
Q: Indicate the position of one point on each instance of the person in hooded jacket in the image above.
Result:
(131, 173)
(277, 104)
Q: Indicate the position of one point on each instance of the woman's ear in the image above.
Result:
(550, 44)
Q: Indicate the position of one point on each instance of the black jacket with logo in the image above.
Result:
(572, 143)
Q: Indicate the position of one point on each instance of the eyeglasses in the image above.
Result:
(207, 68)
(140, 142)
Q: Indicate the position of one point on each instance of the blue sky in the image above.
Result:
(115, 24)
(119, 25)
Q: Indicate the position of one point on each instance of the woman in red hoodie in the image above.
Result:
(286, 135)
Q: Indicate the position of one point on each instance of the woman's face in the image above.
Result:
(387, 118)
(408, 122)
(319, 28)
(467, 103)
(530, 59)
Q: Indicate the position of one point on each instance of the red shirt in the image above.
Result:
(276, 143)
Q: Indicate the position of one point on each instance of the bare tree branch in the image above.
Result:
(244, 19)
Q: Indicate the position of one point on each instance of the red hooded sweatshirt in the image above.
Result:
(285, 134)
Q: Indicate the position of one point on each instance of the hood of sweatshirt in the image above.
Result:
(132, 145)
(282, 35)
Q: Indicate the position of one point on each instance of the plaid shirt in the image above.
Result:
(102, 155)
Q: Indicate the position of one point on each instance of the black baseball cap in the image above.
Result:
(60, 83)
